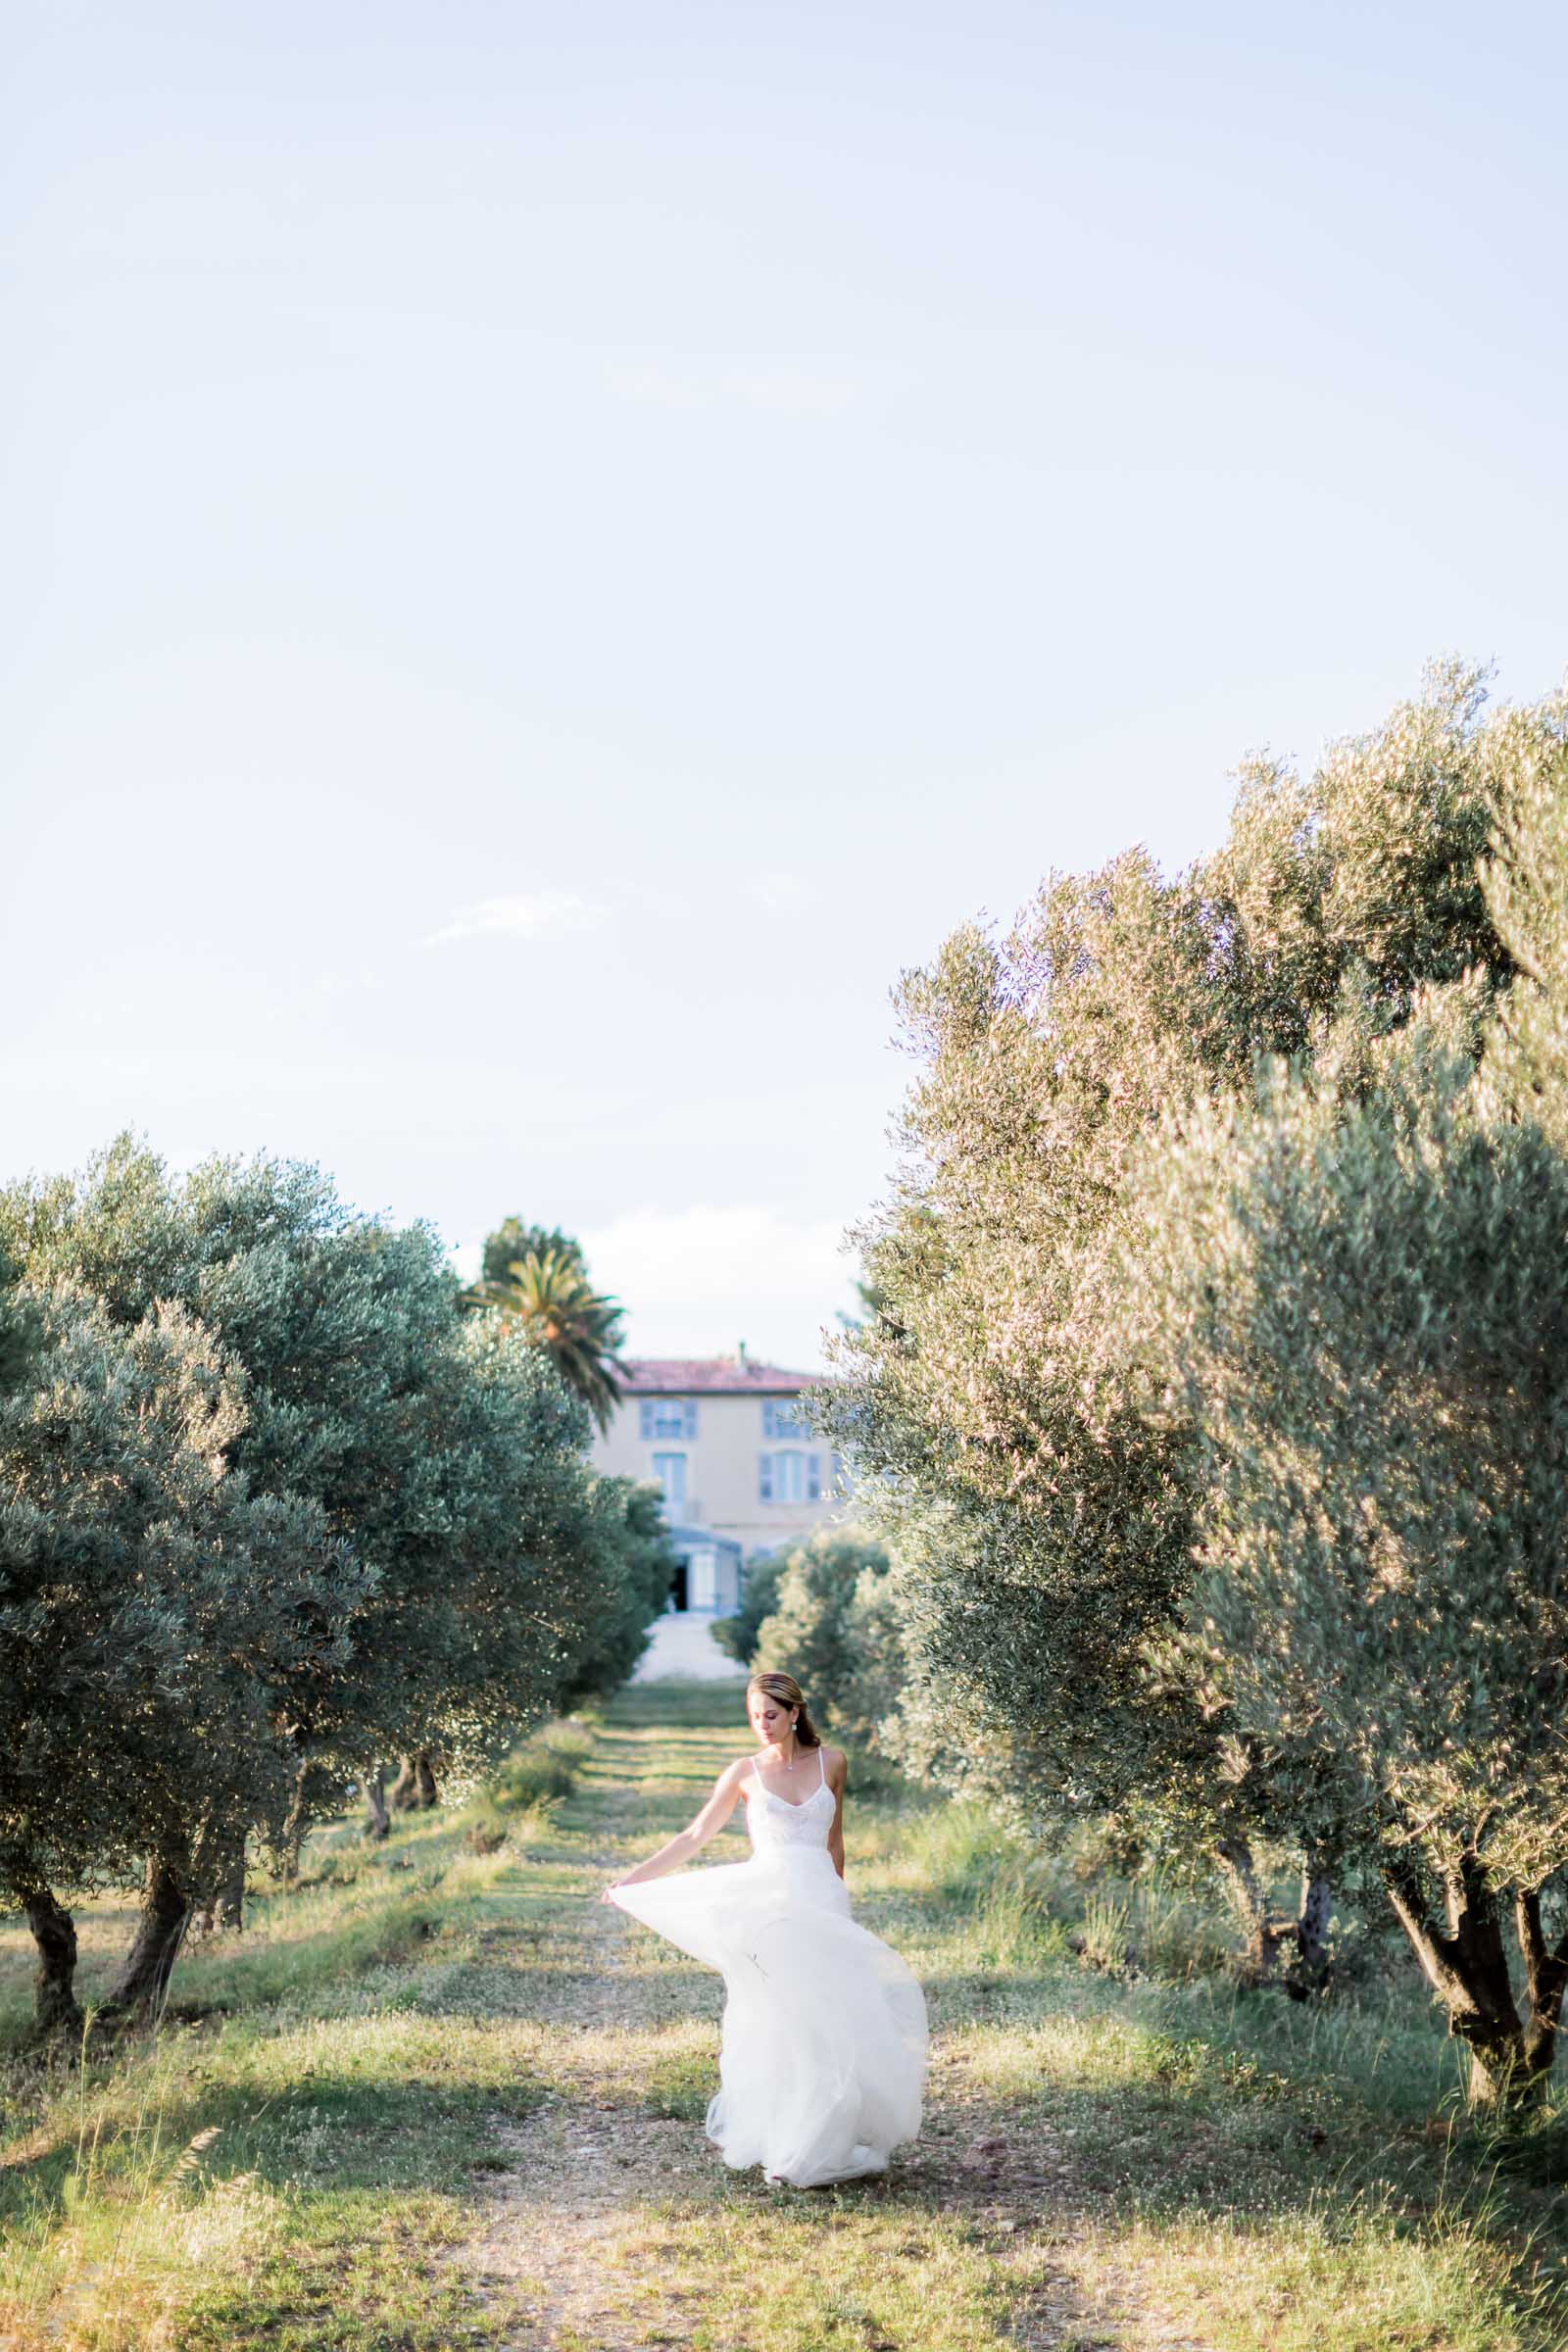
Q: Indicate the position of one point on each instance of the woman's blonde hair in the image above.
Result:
(787, 1691)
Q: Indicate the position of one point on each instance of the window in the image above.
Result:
(669, 1417)
(789, 1476)
(671, 1471)
(782, 1418)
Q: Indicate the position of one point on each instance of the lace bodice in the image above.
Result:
(773, 1822)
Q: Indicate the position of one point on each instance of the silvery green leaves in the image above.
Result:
(275, 1511)
(1218, 1299)
(1362, 1309)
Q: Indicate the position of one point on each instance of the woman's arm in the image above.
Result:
(690, 1840)
(838, 1772)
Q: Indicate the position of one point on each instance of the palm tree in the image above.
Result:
(548, 1295)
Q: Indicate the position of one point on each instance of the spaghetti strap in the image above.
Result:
(822, 1770)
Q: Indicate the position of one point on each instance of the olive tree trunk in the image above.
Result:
(1269, 1935)
(1261, 1929)
(1465, 1961)
(415, 1790)
(54, 1931)
(166, 1909)
(223, 1910)
(373, 1789)
(317, 1790)
(1312, 1967)
(296, 1827)
(1546, 1983)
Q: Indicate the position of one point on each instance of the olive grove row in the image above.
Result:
(1213, 1395)
(273, 1510)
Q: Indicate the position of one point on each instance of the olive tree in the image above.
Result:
(626, 1527)
(1364, 1311)
(153, 1614)
(737, 1635)
(1361, 1307)
(1008, 1451)
(442, 1454)
(834, 1627)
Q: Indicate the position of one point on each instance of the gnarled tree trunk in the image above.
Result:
(54, 1931)
(373, 1787)
(223, 1912)
(296, 1827)
(1466, 1963)
(167, 1910)
(415, 1790)
(317, 1788)
(1312, 1966)
(1260, 1930)
(1270, 1935)
(1546, 1982)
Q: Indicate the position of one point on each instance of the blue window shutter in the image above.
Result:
(645, 1418)
(764, 1478)
(813, 1479)
(691, 1416)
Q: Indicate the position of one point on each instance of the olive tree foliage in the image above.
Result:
(499, 1571)
(440, 1456)
(737, 1635)
(1363, 1310)
(1045, 1518)
(154, 1614)
(626, 1523)
(20, 1328)
(831, 1627)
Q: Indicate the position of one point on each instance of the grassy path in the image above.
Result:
(614, 2224)
(442, 2097)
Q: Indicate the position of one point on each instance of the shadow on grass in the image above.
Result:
(330, 2125)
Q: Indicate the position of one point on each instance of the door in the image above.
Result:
(704, 1567)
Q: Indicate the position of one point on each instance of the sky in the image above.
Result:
(549, 554)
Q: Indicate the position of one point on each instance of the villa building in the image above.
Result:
(740, 1471)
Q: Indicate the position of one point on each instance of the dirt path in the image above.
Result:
(610, 2223)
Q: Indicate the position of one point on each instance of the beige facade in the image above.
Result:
(723, 1440)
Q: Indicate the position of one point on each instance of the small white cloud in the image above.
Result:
(546, 914)
(779, 892)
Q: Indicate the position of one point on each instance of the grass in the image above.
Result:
(439, 2096)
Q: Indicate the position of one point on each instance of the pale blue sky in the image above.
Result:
(551, 551)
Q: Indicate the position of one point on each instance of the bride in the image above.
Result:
(822, 2060)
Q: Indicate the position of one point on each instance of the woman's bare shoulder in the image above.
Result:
(835, 1763)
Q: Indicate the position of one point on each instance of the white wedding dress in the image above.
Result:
(823, 2061)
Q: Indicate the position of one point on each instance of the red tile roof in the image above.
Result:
(710, 1376)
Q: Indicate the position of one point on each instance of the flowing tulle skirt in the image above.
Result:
(822, 2060)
